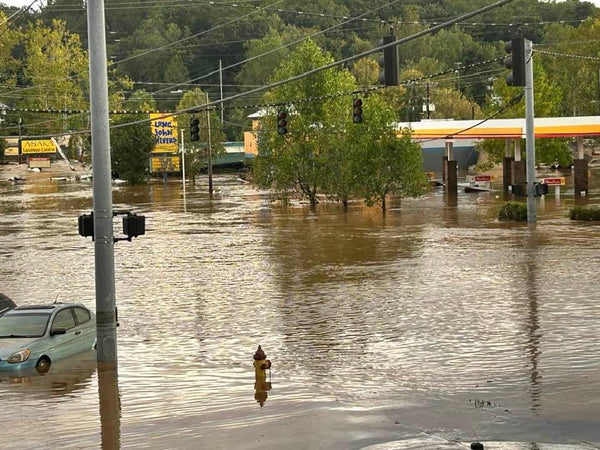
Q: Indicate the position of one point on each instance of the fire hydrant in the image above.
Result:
(261, 385)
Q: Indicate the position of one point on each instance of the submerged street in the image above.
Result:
(435, 325)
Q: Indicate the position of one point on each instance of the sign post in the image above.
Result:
(182, 163)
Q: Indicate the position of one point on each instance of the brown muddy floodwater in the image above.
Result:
(432, 327)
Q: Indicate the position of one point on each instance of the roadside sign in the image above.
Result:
(165, 164)
(34, 146)
(40, 162)
(558, 181)
(483, 178)
(164, 130)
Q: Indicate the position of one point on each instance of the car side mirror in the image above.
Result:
(57, 331)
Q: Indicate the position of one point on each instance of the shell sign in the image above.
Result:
(32, 147)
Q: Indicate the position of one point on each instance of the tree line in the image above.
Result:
(43, 59)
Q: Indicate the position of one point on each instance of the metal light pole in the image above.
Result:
(182, 162)
(529, 136)
(221, 83)
(210, 180)
(106, 320)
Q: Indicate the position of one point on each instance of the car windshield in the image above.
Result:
(15, 324)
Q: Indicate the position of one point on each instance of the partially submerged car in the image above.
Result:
(6, 304)
(33, 336)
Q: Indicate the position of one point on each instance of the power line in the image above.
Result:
(513, 101)
(316, 70)
(567, 55)
(191, 37)
(286, 45)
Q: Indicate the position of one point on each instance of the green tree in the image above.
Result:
(47, 51)
(386, 161)
(140, 100)
(366, 72)
(451, 104)
(547, 103)
(131, 147)
(300, 158)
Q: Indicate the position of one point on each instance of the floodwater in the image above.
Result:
(433, 326)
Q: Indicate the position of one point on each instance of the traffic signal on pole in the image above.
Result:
(516, 61)
(389, 62)
(357, 111)
(282, 122)
(194, 129)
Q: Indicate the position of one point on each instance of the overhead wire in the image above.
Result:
(286, 45)
(170, 44)
(314, 71)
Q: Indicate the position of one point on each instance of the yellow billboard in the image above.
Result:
(164, 130)
(159, 164)
(29, 147)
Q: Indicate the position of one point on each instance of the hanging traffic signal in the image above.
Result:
(194, 129)
(516, 61)
(357, 111)
(389, 61)
(282, 122)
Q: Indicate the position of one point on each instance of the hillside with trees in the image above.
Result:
(160, 51)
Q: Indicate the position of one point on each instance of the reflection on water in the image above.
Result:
(532, 327)
(382, 328)
(110, 406)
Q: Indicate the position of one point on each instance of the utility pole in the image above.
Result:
(106, 311)
(530, 137)
(428, 112)
(221, 84)
(210, 180)
(457, 76)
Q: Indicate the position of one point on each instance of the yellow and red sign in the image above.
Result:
(41, 162)
(164, 130)
(483, 178)
(34, 146)
(165, 164)
(558, 181)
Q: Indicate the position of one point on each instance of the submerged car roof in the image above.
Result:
(26, 307)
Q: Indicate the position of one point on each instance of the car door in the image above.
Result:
(64, 345)
(85, 331)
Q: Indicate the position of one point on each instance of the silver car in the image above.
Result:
(33, 336)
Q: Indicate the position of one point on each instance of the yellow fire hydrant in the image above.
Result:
(261, 385)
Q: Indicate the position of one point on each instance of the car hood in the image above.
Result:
(10, 345)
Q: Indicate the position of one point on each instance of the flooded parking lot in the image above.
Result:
(435, 325)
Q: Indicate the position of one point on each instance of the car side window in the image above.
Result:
(82, 315)
(64, 319)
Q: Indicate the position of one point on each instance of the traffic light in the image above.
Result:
(282, 122)
(389, 61)
(516, 61)
(357, 111)
(194, 129)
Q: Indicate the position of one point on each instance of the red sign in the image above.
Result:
(483, 178)
(560, 181)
